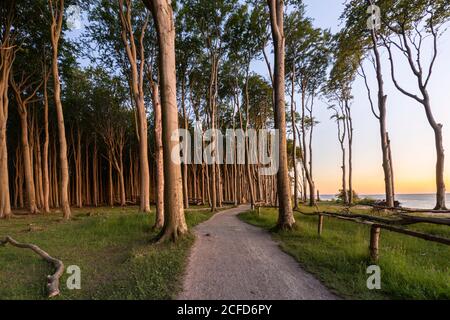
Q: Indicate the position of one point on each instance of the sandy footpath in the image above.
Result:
(234, 260)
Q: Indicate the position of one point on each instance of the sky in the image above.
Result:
(412, 139)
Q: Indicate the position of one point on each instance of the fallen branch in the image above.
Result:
(52, 280)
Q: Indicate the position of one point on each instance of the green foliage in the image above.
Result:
(411, 268)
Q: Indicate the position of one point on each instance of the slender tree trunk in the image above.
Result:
(174, 219)
(159, 199)
(26, 153)
(306, 157)
(6, 60)
(185, 167)
(56, 28)
(247, 147)
(294, 148)
(440, 161)
(348, 119)
(285, 218)
(137, 78)
(382, 98)
(46, 179)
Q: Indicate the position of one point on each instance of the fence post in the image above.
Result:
(320, 225)
(374, 241)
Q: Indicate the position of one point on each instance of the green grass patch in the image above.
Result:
(112, 246)
(411, 268)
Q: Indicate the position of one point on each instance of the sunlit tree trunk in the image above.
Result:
(137, 78)
(285, 218)
(6, 61)
(174, 219)
(57, 12)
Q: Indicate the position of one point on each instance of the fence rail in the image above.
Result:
(378, 223)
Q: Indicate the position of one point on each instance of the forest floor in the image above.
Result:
(231, 259)
(411, 268)
(112, 246)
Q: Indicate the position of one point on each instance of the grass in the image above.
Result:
(411, 268)
(113, 248)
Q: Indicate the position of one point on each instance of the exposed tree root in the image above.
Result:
(171, 234)
(285, 226)
(52, 280)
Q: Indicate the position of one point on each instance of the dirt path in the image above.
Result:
(234, 260)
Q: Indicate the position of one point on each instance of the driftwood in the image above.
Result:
(52, 280)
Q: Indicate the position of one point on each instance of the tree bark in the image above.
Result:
(159, 199)
(285, 217)
(137, 74)
(6, 60)
(46, 179)
(294, 138)
(174, 219)
(56, 27)
(382, 98)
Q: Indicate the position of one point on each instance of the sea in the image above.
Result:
(418, 201)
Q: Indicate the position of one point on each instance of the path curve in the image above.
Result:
(234, 260)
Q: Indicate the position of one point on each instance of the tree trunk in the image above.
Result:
(174, 219)
(46, 179)
(56, 27)
(305, 156)
(26, 153)
(440, 161)
(382, 98)
(185, 166)
(348, 118)
(137, 74)
(159, 199)
(294, 148)
(6, 61)
(285, 218)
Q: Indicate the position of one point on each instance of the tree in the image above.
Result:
(285, 216)
(341, 133)
(355, 16)
(136, 58)
(308, 55)
(339, 87)
(174, 219)
(56, 8)
(7, 52)
(19, 88)
(408, 25)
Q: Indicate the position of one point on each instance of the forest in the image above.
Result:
(91, 122)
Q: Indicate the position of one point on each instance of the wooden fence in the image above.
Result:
(378, 223)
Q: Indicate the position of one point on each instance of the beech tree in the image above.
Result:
(285, 217)
(7, 52)
(56, 8)
(407, 27)
(136, 58)
(368, 39)
(339, 90)
(174, 220)
(308, 55)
